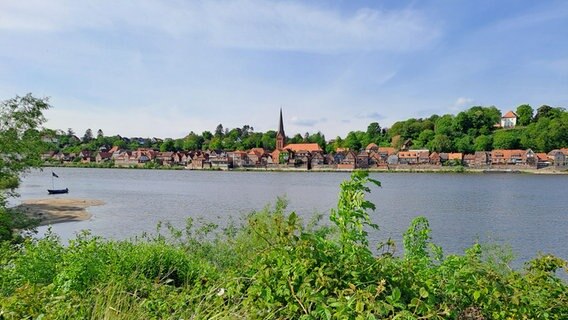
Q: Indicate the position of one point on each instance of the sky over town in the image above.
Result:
(165, 68)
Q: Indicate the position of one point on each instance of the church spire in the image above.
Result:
(281, 125)
(280, 135)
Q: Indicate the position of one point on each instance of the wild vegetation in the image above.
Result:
(468, 131)
(273, 266)
(20, 149)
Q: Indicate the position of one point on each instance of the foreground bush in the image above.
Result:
(274, 267)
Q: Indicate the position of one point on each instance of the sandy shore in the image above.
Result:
(57, 210)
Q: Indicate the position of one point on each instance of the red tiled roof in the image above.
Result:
(113, 149)
(275, 154)
(542, 156)
(455, 156)
(388, 150)
(507, 154)
(408, 154)
(311, 147)
(371, 146)
(510, 114)
(257, 151)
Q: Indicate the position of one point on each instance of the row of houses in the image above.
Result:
(310, 156)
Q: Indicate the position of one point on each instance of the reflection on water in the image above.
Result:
(527, 211)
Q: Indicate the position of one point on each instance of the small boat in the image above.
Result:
(53, 190)
(58, 191)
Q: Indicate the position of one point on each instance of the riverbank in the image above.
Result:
(57, 210)
(402, 169)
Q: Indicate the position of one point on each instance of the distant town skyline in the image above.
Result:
(164, 68)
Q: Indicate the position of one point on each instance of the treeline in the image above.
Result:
(475, 129)
(221, 139)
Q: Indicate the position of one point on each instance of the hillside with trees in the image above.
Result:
(475, 130)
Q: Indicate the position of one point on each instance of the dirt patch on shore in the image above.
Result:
(57, 210)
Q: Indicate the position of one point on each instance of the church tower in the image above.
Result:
(280, 136)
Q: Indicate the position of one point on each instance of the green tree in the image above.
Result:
(118, 142)
(88, 136)
(483, 143)
(207, 135)
(268, 140)
(297, 138)
(216, 143)
(192, 142)
(374, 132)
(352, 142)
(525, 114)
(334, 144)
(318, 138)
(543, 111)
(167, 145)
(219, 131)
(464, 144)
(424, 138)
(21, 145)
(506, 139)
(441, 143)
(445, 125)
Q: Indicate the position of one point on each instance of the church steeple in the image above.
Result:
(280, 135)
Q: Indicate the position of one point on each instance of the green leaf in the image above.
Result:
(395, 294)
(423, 293)
(476, 295)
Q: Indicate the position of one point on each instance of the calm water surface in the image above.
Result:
(529, 212)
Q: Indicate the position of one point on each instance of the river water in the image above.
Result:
(527, 212)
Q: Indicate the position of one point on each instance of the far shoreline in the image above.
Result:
(458, 169)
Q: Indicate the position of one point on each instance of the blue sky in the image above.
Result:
(165, 68)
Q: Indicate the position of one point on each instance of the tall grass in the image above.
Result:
(273, 266)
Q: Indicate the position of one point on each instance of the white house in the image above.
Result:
(509, 120)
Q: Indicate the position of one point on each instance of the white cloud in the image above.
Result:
(462, 102)
(243, 24)
(306, 122)
(370, 115)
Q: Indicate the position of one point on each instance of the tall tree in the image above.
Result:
(100, 134)
(219, 130)
(21, 148)
(373, 130)
(525, 113)
(88, 136)
(207, 135)
(543, 111)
